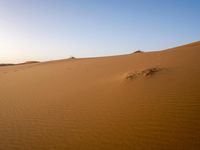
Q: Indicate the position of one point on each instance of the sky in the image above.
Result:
(56, 29)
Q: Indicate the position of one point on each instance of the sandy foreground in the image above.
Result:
(145, 100)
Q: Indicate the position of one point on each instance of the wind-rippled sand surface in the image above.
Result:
(137, 101)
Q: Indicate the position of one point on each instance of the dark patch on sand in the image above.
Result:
(143, 73)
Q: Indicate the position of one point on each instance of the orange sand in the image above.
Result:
(139, 101)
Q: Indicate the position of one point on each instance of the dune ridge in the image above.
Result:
(148, 100)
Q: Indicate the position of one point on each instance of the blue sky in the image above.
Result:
(55, 29)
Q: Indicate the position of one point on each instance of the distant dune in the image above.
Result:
(6, 65)
(27, 62)
(30, 62)
(144, 100)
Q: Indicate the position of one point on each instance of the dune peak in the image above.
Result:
(138, 51)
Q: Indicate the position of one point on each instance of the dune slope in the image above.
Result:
(139, 101)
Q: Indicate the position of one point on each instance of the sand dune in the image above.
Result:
(148, 100)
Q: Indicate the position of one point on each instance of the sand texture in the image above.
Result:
(144, 100)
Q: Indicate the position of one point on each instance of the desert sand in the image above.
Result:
(143, 100)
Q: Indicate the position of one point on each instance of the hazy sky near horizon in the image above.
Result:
(55, 29)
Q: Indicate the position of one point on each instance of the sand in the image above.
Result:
(147, 100)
